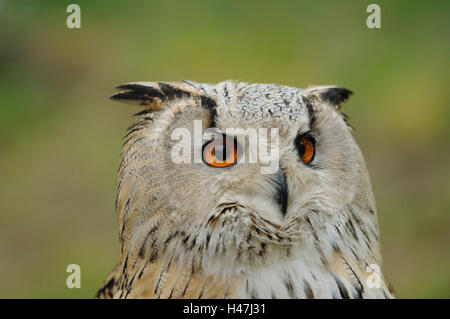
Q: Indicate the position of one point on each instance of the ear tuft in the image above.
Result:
(333, 95)
(151, 94)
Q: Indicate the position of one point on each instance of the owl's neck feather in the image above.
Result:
(238, 254)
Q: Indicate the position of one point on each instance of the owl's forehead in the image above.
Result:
(244, 104)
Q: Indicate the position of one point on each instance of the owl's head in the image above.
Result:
(237, 170)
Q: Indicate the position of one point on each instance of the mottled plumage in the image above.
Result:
(190, 230)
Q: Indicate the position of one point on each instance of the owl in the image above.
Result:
(219, 224)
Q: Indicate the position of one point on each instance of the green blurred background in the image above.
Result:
(60, 137)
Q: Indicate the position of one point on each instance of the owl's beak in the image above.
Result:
(282, 191)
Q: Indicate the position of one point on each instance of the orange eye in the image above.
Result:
(220, 153)
(305, 147)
